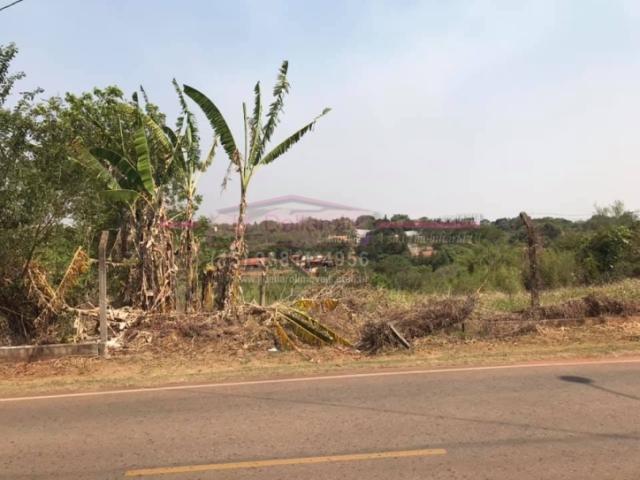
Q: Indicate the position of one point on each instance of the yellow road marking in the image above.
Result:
(284, 461)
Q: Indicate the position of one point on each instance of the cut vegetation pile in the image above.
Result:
(401, 327)
(133, 330)
(282, 326)
(406, 325)
(591, 305)
(571, 312)
(370, 319)
(195, 332)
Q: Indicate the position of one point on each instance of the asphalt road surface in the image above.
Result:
(570, 421)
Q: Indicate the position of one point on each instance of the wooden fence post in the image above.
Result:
(263, 288)
(534, 267)
(102, 285)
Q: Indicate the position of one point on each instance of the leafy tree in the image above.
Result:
(383, 243)
(550, 232)
(365, 222)
(45, 201)
(615, 210)
(607, 254)
(613, 215)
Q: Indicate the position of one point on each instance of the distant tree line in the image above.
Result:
(604, 248)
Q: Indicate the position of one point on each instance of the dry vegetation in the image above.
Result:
(487, 328)
(361, 318)
(192, 360)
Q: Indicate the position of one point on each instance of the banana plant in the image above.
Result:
(126, 180)
(258, 133)
(188, 165)
(138, 177)
(143, 163)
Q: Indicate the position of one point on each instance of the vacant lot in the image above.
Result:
(200, 350)
(612, 337)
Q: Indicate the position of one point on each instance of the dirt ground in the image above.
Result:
(206, 362)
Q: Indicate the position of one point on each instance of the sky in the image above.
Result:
(439, 108)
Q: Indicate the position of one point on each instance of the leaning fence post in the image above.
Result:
(102, 285)
(534, 266)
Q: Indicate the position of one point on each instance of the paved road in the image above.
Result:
(565, 422)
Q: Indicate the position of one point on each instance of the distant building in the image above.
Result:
(253, 264)
(420, 250)
(361, 234)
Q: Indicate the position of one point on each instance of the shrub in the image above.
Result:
(558, 268)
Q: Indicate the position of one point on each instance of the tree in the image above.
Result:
(400, 217)
(365, 222)
(615, 210)
(257, 136)
(608, 254)
(45, 201)
(24, 223)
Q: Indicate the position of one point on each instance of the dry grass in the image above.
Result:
(591, 305)
(625, 290)
(161, 350)
(205, 363)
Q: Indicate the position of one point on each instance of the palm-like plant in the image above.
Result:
(257, 136)
(187, 168)
(137, 176)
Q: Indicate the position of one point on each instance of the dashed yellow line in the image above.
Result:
(356, 457)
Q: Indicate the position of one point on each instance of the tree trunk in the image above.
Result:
(230, 276)
(124, 239)
(156, 274)
(208, 283)
(189, 247)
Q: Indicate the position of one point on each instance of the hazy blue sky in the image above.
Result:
(439, 107)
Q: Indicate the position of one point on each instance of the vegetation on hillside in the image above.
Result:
(604, 248)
